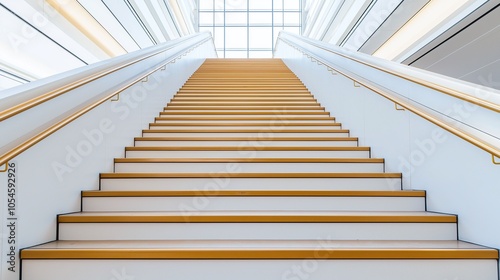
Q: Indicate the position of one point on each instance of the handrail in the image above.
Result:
(23, 106)
(12, 153)
(455, 93)
(493, 150)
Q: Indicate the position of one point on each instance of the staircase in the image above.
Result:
(245, 176)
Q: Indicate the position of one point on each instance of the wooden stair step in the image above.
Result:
(259, 148)
(246, 108)
(255, 193)
(258, 217)
(253, 200)
(249, 160)
(259, 249)
(250, 139)
(249, 175)
(264, 129)
(332, 124)
(273, 118)
(236, 113)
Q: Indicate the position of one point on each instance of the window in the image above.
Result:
(248, 28)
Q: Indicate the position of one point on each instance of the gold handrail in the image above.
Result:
(455, 93)
(494, 151)
(19, 108)
(52, 129)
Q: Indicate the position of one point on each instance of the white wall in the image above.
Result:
(52, 174)
(458, 177)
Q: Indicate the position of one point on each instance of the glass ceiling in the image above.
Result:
(248, 28)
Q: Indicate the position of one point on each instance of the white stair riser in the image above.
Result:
(247, 154)
(204, 184)
(210, 203)
(276, 127)
(264, 133)
(244, 167)
(263, 142)
(257, 231)
(311, 269)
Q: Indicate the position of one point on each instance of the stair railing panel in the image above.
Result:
(426, 94)
(32, 112)
(59, 147)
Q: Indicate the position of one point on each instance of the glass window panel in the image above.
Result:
(260, 54)
(278, 5)
(260, 4)
(292, 5)
(261, 18)
(220, 54)
(292, 18)
(206, 18)
(219, 37)
(278, 18)
(206, 4)
(260, 37)
(236, 37)
(219, 19)
(251, 33)
(236, 18)
(236, 5)
(219, 5)
(236, 54)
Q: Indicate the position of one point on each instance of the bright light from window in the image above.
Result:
(248, 28)
(81, 19)
(428, 18)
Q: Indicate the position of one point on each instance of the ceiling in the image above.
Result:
(40, 38)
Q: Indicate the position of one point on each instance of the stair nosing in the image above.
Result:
(251, 175)
(249, 160)
(255, 193)
(246, 148)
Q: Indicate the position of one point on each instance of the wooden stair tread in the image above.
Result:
(236, 112)
(245, 124)
(249, 175)
(252, 193)
(260, 148)
(257, 217)
(246, 139)
(258, 249)
(265, 129)
(245, 108)
(249, 160)
(281, 118)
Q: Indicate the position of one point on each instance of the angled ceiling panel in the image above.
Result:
(377, 15)
(166, 24)
(31, 53)
(148, 20)
(471, 52)
(49, 26)
(104, 16)
(348, 17)
(123, 13)
(401, 15)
